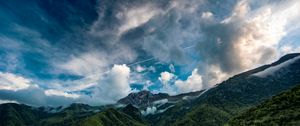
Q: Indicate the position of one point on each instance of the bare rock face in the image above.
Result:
(142, 98)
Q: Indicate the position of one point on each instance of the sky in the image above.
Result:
(57, 52)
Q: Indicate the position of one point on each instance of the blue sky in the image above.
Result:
(98, 51)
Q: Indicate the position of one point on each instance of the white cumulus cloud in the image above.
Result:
(165, 77)
(193, 83)
(115, 86)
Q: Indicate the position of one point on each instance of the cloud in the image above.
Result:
(271, 71)
(76, 62)
(139, 68)
(172, 68)
(115, 86)
(193, 83)
(286, 49)
(149, 110)
(247, 38)
(165, 77)
(7, 101)
(10, 60)
(90, 66)
(207, 15)
(171, 28)
(147, 84)
(85, 64)
(248, 34)
(34, 96)
(52, 92)
(213, 75)
(9, 81)
(136, 16)
(111, 86)
(22, 90)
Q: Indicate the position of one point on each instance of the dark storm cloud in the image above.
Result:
(243, 40)
(176, 25)
(218, 45)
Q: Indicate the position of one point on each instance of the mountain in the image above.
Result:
(12, 114)
(133, 112)
(142, 99)
(282, 109)
(219, 104)
(76, 114)
(110, 117)
(145, 98)
(214, 106)
(69, 115)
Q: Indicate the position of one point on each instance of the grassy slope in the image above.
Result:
(22, 115)
(110, 117)
(234, 96)
(219, 105)
(19, 115)
(283, 109)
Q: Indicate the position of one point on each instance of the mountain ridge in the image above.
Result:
(215, 106)
(232, 96)
(146, 98)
